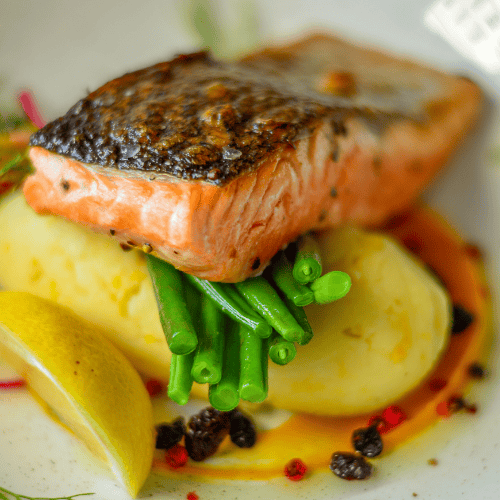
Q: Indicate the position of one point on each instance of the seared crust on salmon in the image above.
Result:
(194, 118)
(216, 166)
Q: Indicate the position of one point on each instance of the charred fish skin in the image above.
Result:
(247, 156)
(192, 118)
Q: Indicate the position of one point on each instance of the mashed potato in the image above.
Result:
(369, 348)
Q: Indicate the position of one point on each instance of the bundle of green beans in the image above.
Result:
(223, 334)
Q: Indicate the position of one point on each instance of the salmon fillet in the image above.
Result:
(216, 166)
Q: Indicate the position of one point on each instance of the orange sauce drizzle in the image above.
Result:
(313, 439)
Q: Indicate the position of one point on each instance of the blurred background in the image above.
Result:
(64, 48)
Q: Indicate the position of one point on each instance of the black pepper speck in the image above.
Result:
(476, 371)
(462, 319)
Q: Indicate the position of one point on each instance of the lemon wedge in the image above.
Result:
(90, 385)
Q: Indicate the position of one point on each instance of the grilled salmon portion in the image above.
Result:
(215, 166)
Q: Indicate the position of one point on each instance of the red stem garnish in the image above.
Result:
(192, 496)
(30, 108)
(12, 384)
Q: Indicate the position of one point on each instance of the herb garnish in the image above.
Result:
(13, 171)
(4, 492)
(14, 162)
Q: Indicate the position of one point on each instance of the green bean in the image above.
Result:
(307, 265)
(330, 287)
(253, 379)
(266, 301)
(300, 316)
(225, 395)
(282, 272)
(207, 364)
(192, 298)
(233, 293)
(281, 351)
(181, 381)
(223, 296)
(174, 315)
(264, 364)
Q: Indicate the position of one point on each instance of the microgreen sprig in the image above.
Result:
(10, 122)
(14, 170)
(4, 492)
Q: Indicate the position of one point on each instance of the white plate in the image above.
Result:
(60, 49)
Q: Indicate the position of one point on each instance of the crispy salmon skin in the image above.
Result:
(215, 166)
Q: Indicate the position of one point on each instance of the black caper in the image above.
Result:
(350, 466)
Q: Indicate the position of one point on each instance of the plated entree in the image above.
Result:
(202, 189)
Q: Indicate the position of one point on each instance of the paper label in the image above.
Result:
(471, 26)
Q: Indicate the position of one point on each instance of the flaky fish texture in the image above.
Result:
(215, 166)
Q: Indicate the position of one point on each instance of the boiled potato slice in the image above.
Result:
(375, 344)
(369, 348)
(87, 272)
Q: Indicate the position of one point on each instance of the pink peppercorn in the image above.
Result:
(177, 456)
(391, 417)
(442, 409)
(394, 415)
(154, 387)
(436, 384)
(295, 470)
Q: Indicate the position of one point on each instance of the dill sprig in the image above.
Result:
(5, 494)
